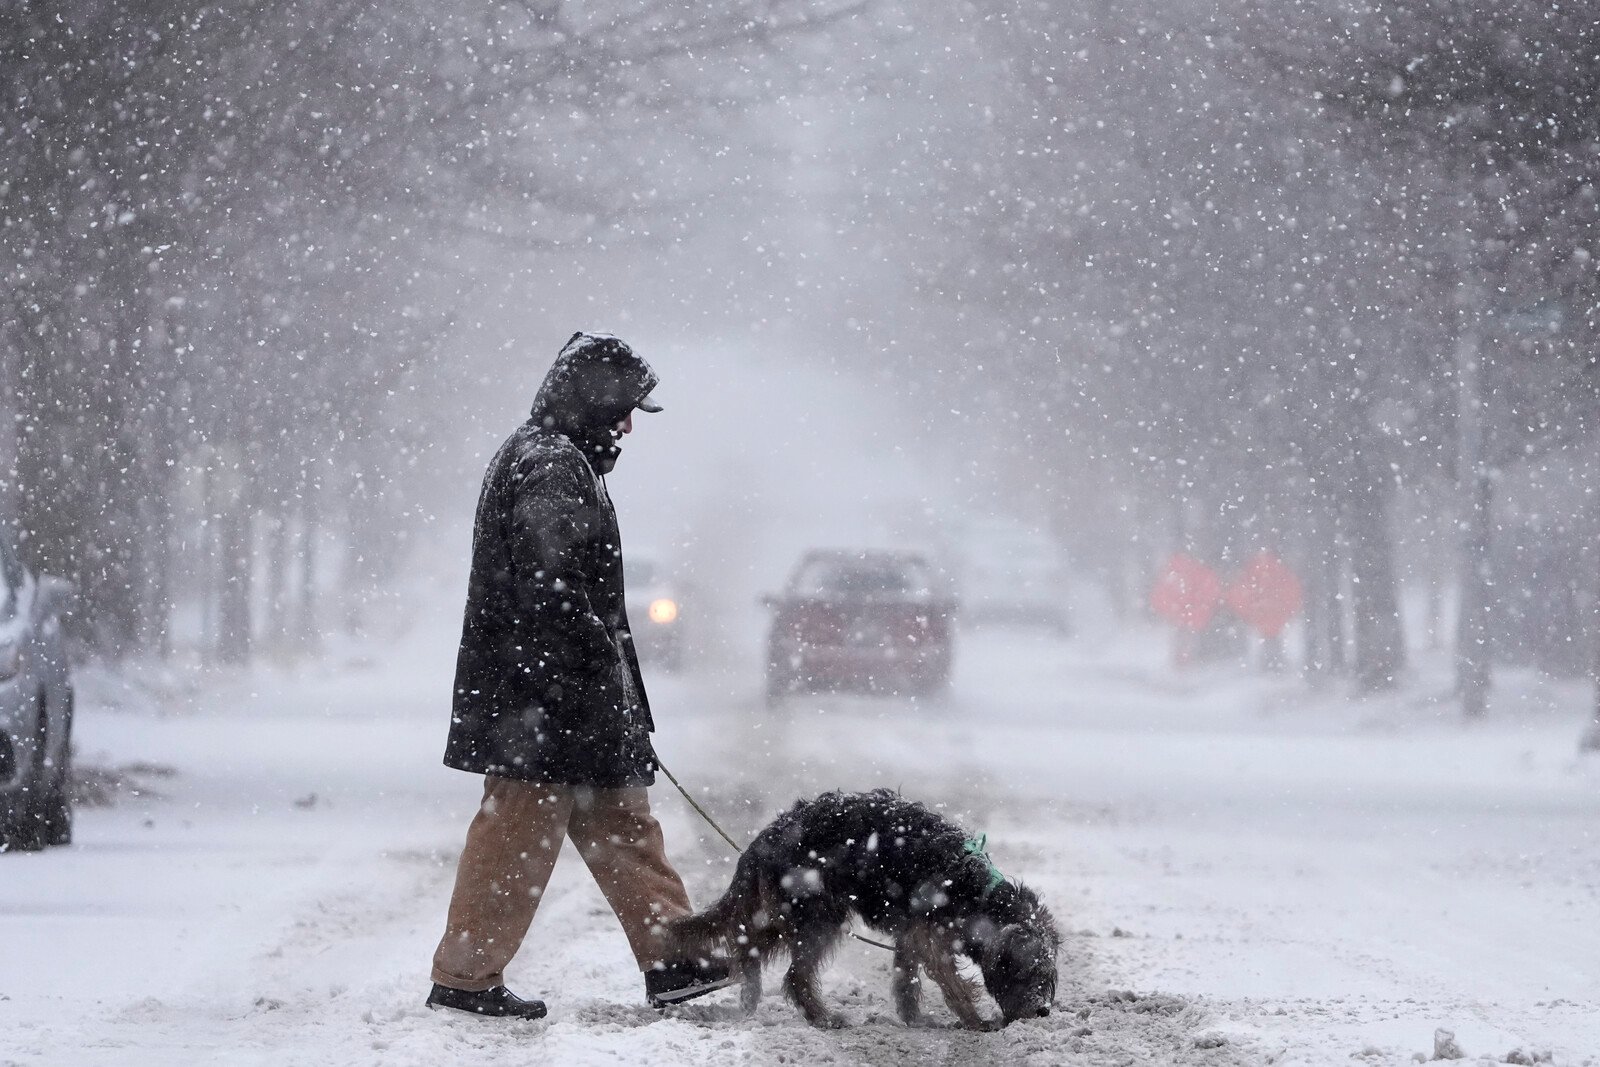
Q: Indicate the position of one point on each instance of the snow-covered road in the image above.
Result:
(1246, 875)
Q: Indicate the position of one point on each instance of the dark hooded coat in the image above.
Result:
(547, 685)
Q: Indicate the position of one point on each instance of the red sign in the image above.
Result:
(1186, 592)
(1265, 594)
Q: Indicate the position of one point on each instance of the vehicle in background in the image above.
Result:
(866, 619)
(35, 709)
(655, 602)
(1011, 572)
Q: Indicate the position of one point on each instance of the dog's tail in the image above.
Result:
(718, 926)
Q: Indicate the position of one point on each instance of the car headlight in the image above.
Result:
(663, 610)
(10, 660)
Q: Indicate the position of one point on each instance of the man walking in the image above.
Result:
(549, 703)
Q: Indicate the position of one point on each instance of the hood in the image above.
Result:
(595, 381)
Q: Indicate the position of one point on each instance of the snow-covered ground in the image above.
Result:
(1247, 874)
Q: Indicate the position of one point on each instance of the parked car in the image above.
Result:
(658, 613)
(872, 620)
(35, 709)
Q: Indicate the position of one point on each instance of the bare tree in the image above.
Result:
(1490, 113)
(195, 191)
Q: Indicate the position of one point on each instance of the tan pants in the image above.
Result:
(511, 850)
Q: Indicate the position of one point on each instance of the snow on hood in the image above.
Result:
(594, 382)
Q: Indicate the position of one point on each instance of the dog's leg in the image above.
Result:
(907, 979)
(750, 991)
(760, 945)
(812, 942)
(960, 993)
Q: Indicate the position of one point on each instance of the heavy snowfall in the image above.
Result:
(1157, 437)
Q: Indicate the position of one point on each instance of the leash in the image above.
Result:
(696, 806)
(731, 842)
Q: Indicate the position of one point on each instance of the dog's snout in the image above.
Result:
(1044, 1009)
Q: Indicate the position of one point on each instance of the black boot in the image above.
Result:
(499, 1001)
(672, 983)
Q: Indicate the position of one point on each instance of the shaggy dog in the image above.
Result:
(906, 872)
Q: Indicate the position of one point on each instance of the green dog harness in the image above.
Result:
(975, 846)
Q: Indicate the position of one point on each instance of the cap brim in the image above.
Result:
(647, 404)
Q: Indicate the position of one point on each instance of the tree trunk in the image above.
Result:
(1126, 567)
(1435, 608)
(10, 424)
(233, 609)
(155, 631)
(113, 513)
(1312, 650)
(1314, 549)
(1324, 593)
(1274, 654)
(1338, 604)
(306, 626)
(1434, 565)
(277, 551)
(1473, 651)
(1590, 739)
(112, 501)
(1214, 535)
(355, 583)
(1379, 635)
(158, 451)
(153, 536)
(210, 552)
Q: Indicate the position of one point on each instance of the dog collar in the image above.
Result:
(976, 846)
